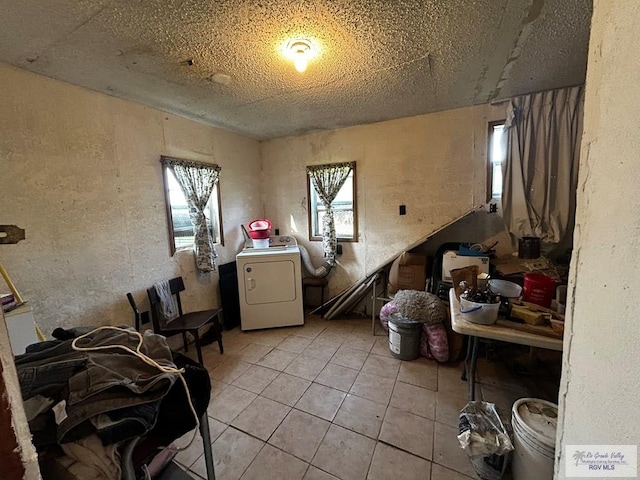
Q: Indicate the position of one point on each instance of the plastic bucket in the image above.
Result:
(534, 439)
(404, 337)
(261, 243)
(539, 289)
(260, 229)
(482, 313)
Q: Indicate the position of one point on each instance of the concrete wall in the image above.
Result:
(80, 172)
(599, 390)
(434, 164)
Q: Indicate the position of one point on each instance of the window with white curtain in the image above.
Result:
(181, 230)
(344, 212)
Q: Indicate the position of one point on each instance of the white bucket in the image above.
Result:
(534, 438)
(482, 313)
(260, 243)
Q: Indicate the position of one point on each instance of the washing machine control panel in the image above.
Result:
(282, 241)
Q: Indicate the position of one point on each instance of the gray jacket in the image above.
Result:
(96, 382)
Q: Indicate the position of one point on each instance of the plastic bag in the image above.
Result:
(485, 439)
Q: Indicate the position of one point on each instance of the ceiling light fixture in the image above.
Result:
(300, 52)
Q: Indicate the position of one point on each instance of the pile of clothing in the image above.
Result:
(85, 400)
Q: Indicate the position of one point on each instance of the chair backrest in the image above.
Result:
(132, 302)
(176, 285)
(140, 317)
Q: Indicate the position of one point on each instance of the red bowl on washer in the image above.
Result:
(259, 234)
(260, 229)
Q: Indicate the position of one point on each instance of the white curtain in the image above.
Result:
(197, 181)
(541, 167)
(327, 181)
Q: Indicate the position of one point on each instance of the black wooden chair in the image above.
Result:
(140, 317)
(185, 322)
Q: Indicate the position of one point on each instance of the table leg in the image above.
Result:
(373, 309)
(206, 441)
(466, 360)
(472, 368)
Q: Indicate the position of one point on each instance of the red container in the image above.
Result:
(260, 229)
(539, 289)
(259, 234)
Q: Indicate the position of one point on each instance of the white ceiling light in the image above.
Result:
(300, 52)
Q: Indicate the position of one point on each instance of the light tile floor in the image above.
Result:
(328, 401)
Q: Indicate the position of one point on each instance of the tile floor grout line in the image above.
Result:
(441, 373)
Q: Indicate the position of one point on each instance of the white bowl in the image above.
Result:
(482, 313)
(505, 288)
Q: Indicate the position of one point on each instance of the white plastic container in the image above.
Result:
(260, 243)
(534, 424)
(505, 288)
(482, 313)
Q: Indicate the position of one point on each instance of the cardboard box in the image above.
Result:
(408, 272)
(451, 260)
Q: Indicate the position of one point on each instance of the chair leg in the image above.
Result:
(304, 297)
(198, 349)
(220, 343)
(184, 341)
(218, 326)
(206, 441)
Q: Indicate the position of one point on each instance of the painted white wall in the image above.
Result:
(80, 172)
(599, 390)
(434, 164)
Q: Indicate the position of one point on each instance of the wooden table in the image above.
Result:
(459, 324)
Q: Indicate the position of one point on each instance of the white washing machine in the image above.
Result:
(270, 285)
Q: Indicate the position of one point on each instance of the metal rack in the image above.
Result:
(375, 298)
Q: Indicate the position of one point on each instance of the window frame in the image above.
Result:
(168, 208)
(490, 164)
(311, 212)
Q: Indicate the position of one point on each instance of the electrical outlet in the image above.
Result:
(403, 209)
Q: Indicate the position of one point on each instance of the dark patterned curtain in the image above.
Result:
(197, 181)
(327, 181)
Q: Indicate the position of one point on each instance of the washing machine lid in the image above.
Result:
(270, 252)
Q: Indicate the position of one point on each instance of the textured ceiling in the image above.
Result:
(376, 60)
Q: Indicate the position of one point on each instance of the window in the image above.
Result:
(344, 211)
(181, 231)
(496, 157)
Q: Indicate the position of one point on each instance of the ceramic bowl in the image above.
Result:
(505, 288)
